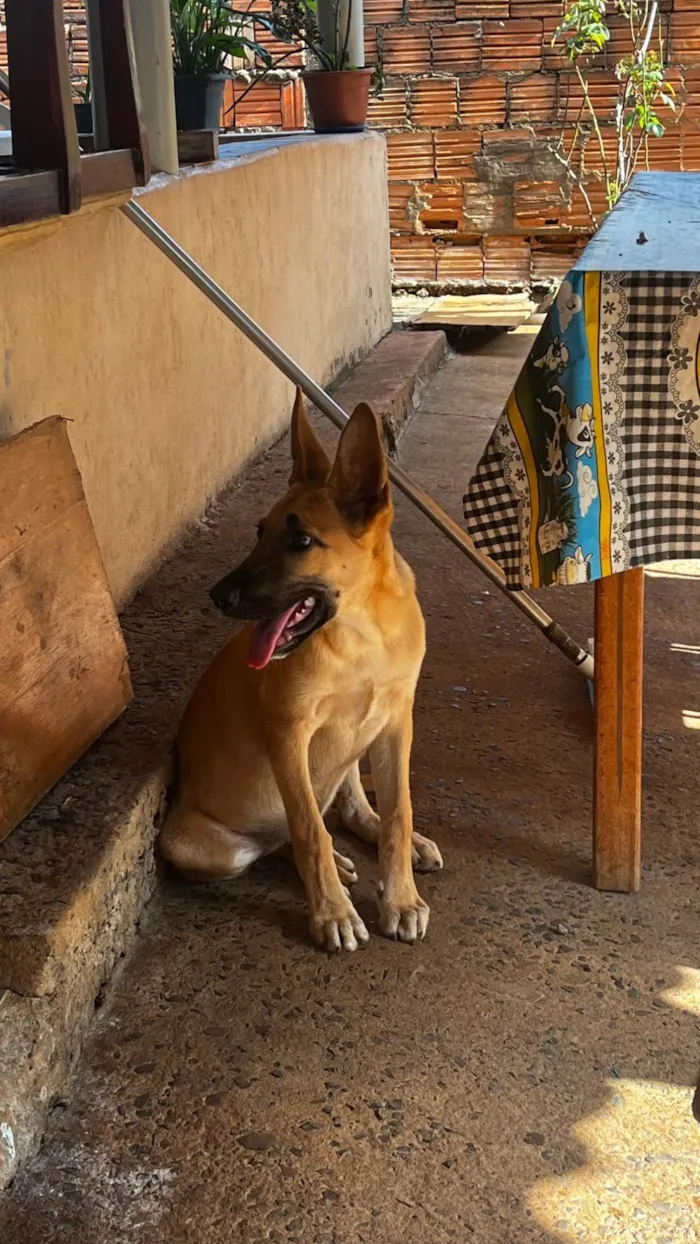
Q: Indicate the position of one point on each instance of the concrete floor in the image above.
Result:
(522, 1076)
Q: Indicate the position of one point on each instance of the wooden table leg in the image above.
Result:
(619, 647)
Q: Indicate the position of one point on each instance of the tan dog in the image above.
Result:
(266, 744)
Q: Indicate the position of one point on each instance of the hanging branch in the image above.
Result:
(643, 86)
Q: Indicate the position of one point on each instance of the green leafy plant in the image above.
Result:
(644, 90)
(83, 90)
(296, 21)
(208, 35)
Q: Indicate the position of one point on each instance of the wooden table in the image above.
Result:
(617, 798)
(593, 470)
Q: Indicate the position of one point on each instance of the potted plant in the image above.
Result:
(208, 37)
(336, 89)
(83, 109)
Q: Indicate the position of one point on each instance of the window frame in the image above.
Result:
(48, 175)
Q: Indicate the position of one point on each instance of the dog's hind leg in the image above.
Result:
(356, 813)
(203, 850)
(358, 817)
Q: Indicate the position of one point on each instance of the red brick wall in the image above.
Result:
(73, 17)
(474, 94)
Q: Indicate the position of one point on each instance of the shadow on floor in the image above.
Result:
(522, 1077)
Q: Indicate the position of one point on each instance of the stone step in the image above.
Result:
(76, 874)
(392, 379)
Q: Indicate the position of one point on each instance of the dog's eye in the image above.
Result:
(300, 540)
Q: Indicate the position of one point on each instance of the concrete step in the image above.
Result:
(392, 379)
(76, 874)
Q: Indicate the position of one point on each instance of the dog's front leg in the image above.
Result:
(333, 921)
(402, 912)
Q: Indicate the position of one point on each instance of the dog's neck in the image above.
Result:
(390, 579)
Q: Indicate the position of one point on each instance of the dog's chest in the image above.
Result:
(360, 712)
(352, 717)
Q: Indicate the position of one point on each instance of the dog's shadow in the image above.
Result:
(272, 893)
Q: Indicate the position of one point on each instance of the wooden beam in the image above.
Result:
(44, 133)
(108, 172)
(619, 654)
(197, 146)
(27, 197)
(124, 122)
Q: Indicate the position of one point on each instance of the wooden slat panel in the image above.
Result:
(44, 134)
(63, 663)
(619, 651)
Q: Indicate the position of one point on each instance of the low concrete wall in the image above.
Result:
(167, 399)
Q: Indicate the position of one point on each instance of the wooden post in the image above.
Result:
(619, 648)
(150, 20)
(44, 133)
(121, 87)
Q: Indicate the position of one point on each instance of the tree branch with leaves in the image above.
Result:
(644, 90)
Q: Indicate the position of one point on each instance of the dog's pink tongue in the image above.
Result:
(264, 639)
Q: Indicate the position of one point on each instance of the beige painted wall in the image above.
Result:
(167, 399)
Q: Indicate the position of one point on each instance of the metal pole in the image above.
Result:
(160, 238)
(334, 17)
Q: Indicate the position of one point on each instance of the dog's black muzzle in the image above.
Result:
(238, 595)
(226, 594)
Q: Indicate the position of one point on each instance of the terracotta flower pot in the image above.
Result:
(338, 100)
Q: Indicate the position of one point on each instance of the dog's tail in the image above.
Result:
(171, 787)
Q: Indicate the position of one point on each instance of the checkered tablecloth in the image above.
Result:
(594, 465)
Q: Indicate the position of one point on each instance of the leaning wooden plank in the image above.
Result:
(619, 635)
(478, 311)
(63, 664)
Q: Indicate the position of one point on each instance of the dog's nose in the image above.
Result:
(225, 595)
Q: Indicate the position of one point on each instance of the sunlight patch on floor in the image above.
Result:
(642, 1182)
(685, 994)
(672, 570)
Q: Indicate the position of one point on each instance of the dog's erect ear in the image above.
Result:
(359, 480)
(310, 462)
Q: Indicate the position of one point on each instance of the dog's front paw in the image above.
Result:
(335, 924)
(425, 854)
(403, 916)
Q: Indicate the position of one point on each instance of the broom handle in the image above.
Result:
(175, 253)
